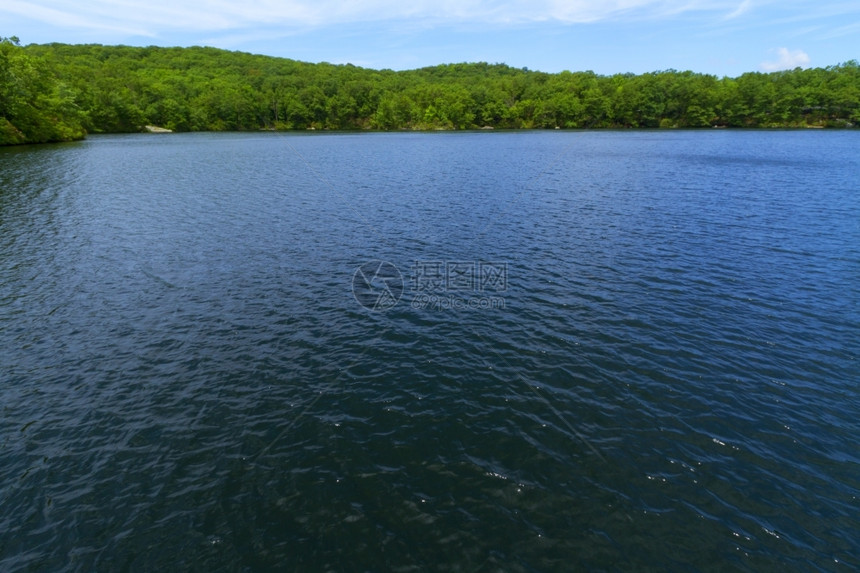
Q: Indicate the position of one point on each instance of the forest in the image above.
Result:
(59, 92)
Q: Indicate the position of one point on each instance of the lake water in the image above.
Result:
(528, 351)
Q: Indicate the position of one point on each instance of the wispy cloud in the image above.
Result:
(742, 8)
(66, 15)
(786, 60)
(848, 29)
(147, 16)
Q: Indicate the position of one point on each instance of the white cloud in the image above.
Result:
(846, 30)
(742, 8)
(150, 16)
(62, 14)
(786, 60)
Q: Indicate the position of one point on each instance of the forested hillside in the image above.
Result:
(52, 92)
(35, 106)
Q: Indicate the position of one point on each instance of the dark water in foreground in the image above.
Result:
(644, 357)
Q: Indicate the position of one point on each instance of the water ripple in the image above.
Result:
(188, 382)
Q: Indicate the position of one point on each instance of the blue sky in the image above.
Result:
(722, 37)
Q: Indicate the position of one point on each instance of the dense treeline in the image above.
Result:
(121, 89)
(35, 106)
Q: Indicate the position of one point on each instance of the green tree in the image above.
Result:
(56, 91)
(35, 107)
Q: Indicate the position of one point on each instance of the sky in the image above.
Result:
(720, 37)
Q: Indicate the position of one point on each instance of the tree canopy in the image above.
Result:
(57, 91)
(35, 105)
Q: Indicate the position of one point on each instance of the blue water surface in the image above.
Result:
(607, 351)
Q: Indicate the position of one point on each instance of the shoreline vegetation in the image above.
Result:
(62, 92)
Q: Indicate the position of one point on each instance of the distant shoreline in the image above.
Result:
(82, 89)
(164, 131)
